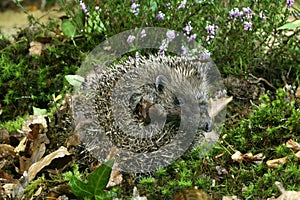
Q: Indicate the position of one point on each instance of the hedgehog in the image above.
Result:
(146, 108)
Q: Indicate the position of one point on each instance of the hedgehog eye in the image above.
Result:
(134, 100)
(178, 101)
(161, 82)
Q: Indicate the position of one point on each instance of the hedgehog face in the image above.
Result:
(164, 104)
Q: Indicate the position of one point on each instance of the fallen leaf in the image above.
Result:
(297, 154)
(4, 136)
(136, 195)
(217, 105)
(293, 145)
(6, 150)
(192, 194)
(297, 94)
(276, 162)
(22, 145)
(116, 177)
(237, 156)
(38, 166)
(36, 48)
(30, 127)
(230, 198)
(286, 195)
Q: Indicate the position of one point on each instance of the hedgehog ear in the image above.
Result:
(161, 82)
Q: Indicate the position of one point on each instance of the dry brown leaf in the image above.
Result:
(22, 145)
(136, 195)
(38, 166)
(24, 164)
(116, 177)
(293, 145)
(33, 124)
(217, 105)
(6, 150)
(297, 94)
(192, 194)
(237, 156)
(297, 154)
(230, 198)
(258, 158)
(4, 136)
(286, 195)
(36, 48)
(276, 162)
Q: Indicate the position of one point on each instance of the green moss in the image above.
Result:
(14, 125)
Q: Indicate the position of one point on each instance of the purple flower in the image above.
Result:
(171, 34)
(235, 13)
(289, 3)
(168, 5)
(135, 8)
(133, 1)
(209, 38)
(188, 28)
(160, 16)
(248, 26)
(184, 51)
(182, 5)
(163, 47)
(210, 29)
(83, 7)
(261, 15)
(130, 38)
(247, 12)
(205, 55)
(143, 33)
(192, 37)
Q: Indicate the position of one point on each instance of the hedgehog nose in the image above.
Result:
(208, 126)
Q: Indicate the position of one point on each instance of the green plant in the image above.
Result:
(94, 187)
(13, 125)
(269, 124)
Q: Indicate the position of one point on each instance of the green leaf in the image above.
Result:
(79, 19)
(96, 183)
(75, 80)
(68, 28)
(99, 178)
(81, 189)
(39, 111)
(291, 25)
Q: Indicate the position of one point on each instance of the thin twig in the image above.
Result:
(261, 79)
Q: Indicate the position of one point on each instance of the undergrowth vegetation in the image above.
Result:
(244, 38)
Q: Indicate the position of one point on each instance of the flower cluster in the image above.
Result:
(187, 29)
(83, 7)
(245, 15)
(168, 5)
(143, 33)
(130, 38)
(182, 5)
(163, 47)
(211, 31)
(135, 8)
(171, 35)
(289, 3)
(160, 16)
(247, 26)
